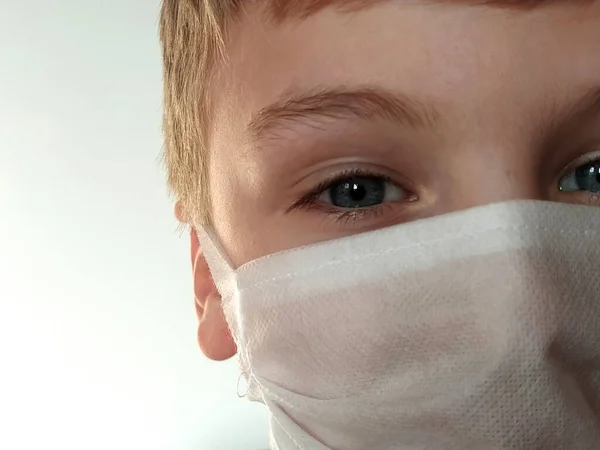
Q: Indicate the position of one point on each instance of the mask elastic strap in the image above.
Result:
(221, 269)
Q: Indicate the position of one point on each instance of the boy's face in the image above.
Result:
(351, 121)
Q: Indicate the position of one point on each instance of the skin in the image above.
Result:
(514, 114)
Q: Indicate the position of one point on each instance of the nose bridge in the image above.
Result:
(480, 177)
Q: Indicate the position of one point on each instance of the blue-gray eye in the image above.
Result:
(584, 178)
(361, 192)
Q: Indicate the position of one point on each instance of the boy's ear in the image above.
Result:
(214, 336)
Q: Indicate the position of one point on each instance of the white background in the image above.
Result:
(97, 326)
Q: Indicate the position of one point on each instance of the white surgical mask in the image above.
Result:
(474, 330)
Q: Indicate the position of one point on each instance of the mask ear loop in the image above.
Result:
(245, 394)
(221, 269)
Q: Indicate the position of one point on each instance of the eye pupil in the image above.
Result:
(359, 192)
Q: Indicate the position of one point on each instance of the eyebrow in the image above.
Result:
(365, 103)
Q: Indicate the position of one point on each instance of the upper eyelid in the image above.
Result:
(582, 160)
(355, 173)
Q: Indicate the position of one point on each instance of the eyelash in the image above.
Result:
(310, 201)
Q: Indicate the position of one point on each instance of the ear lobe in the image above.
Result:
(214, 337)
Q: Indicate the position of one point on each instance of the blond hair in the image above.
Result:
(192, 37)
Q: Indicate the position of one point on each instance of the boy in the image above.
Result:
(394, 209)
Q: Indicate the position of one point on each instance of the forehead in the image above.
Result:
(482, 65)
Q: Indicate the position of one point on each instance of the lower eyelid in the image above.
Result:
(364, 214)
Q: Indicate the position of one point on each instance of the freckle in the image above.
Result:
(595, 199)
